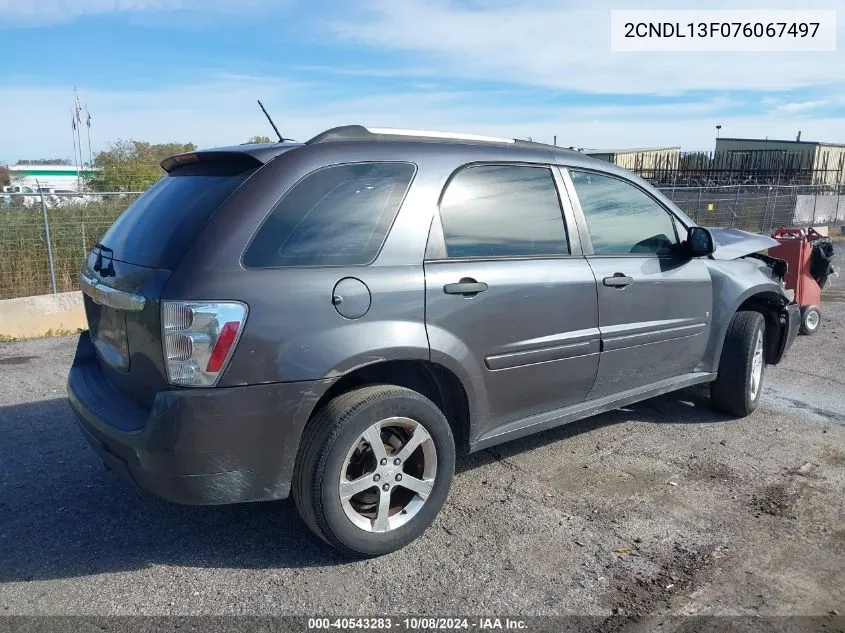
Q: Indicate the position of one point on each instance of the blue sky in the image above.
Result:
(190, 70)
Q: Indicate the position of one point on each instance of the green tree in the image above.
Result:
(259, 139)
(129, 165)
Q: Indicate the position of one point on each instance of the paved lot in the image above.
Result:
(664, 507)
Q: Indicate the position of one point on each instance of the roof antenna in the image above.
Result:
(275, 129)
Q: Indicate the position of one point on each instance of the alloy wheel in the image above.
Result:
(388, 474)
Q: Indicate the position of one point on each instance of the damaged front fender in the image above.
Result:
(746, 283)
(734, 243)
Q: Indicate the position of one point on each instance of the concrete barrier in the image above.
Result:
(30, 317)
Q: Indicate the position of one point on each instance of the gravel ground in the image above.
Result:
(660, 508)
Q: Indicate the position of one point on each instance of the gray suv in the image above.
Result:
(338, 319)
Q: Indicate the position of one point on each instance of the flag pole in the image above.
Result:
(81, 165)
(88, 123)
(77, 118)
(73, 134)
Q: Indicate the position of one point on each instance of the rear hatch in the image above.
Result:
(124, 275)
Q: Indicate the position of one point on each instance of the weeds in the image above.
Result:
(74, 229)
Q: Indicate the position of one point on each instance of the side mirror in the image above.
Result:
(699, 242)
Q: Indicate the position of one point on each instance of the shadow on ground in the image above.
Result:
(62, 514)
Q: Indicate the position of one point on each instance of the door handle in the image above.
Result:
(468, 287)
(618, 281)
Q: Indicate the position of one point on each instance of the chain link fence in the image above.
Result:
(43, 239)
(761, 208)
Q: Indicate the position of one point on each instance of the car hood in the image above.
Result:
(734, 243)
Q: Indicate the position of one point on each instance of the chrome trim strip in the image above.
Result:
(625, 341)
(542, 355)
(111, 297)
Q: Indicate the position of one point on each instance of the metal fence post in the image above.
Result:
(736, 206)
(815, 200)
(47, 236)
(698, 206)
(766, 210)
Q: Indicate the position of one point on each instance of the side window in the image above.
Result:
(335, 216)
(502, 210)
(622, 219)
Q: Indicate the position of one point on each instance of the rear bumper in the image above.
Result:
(790, 321)
(195, 446)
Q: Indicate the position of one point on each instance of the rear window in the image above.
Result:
(335, 216)
(163, 223)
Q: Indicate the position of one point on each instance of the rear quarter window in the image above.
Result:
(335, 216)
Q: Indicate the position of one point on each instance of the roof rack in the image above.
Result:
(359, 133)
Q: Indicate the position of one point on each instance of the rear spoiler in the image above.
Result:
(248, 161)
(248, 156)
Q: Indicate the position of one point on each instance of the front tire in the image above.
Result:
(375, 467)
(742, 366)
(811, 317)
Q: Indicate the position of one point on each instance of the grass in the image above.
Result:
(74, 229)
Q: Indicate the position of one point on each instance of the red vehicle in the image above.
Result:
(808, 254)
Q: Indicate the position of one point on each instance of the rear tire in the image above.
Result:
(374, 469)
(742, 366)
(811, 317)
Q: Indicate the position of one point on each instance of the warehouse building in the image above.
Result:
(62, 177)
(641, 160)
(814, 163)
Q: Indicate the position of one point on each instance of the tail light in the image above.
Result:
(199, 338)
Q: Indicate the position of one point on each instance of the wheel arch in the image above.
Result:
(766, 300)
(770, 305)
(434, 381)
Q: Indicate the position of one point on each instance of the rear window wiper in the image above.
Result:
(108, 271)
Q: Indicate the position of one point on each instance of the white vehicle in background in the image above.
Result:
(53, 198)
(10, 199)
(49, 195)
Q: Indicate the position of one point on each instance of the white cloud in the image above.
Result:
(796, 107)
(221, 110)
(566, 45)
(553, 48)
(28, 13)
